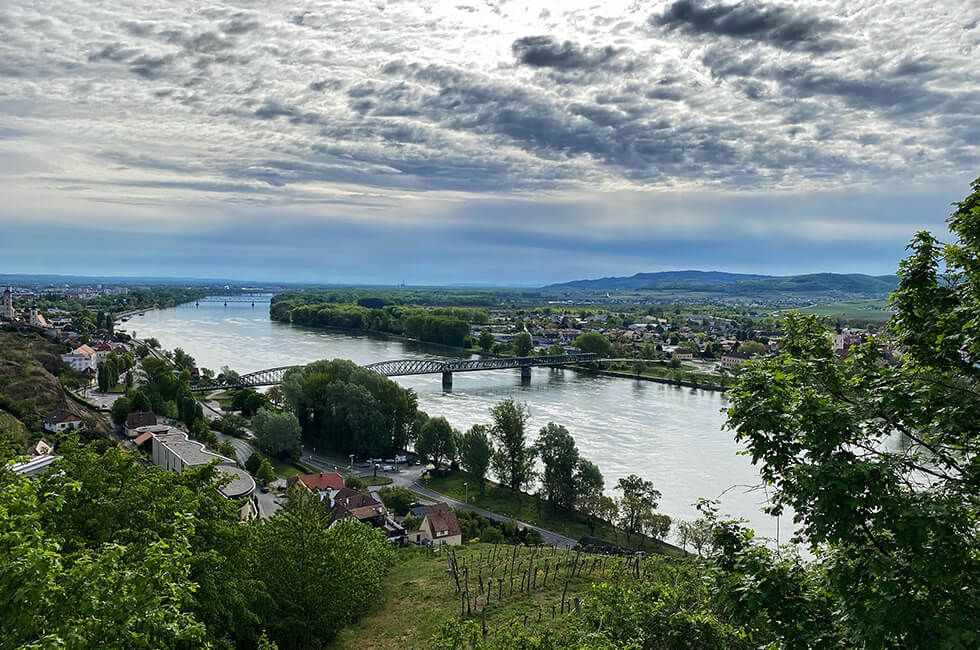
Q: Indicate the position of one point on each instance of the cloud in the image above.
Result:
(776, 25)
(547, 52)
(378, 112)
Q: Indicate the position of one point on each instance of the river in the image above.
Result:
(672, 436)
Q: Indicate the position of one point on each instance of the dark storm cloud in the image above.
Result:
(547, 52)
(151, 67)
(896, 93)
(776, 25)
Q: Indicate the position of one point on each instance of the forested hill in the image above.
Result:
(738, 283)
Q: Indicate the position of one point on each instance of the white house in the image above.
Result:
(81, 358)
(62, 421)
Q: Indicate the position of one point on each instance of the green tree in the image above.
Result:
(880, 462)
(436, 442)
(522, 344)
(295, 554)
(475, 452)
(593, 343)
(696, 534)
(225, 448)
(639, 367)
(278, 433)
(397, 499)
(556, 350)
(513, 460)
(637, 505)
(122, 407)
(265, 474)
(557, 450)
(253, 462)
(486, 340)
(752, 348)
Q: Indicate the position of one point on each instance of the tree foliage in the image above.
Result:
(475, 452)
(557, 450)
(349, 408)
(593, 343)
(436, 442)
(879, 459)
(319, 579)
(278, 433)
(513, 460)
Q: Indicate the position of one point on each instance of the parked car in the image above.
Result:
(388, 468)
(366, 463)
(401, 459)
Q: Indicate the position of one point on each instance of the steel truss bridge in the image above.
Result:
(403, 367)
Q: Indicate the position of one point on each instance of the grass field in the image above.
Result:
(285, 469)
(421, 593)
(533, 510)
(859, 310)
(373, 481)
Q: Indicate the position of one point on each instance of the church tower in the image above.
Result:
(7, 307)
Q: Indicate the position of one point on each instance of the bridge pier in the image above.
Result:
(525, 374)
(447, 381)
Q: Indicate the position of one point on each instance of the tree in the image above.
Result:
(588, 478)
(278, 433)
(295, 554)
(879, 459)
(475, 452)
(233, 424)
(556, 350)
(253, 462)
(522, 344)
(593, 343)
(513, 461)
(639, 367)
(265, 474)
(558, 452)
(183, 360)
(275, 395)
(122, 407)
(436, 442)
(397, 499)
(486, 340)
(637, 505)
(225, 448)
(752, 348)
(696, 533)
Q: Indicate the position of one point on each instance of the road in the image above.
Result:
(409, 476)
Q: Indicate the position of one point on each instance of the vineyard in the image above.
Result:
(497, 586)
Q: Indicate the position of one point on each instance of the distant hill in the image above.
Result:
(739, 284)
(647, 280)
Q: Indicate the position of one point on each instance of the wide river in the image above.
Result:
(672, 436)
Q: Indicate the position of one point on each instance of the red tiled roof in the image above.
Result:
(103, 347)
(143, 437)
(321, 481)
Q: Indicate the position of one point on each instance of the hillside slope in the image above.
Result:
(30, 388)
(735, 284)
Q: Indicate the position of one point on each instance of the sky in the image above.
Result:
(493, 143)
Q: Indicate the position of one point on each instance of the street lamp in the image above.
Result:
(351, 462)
(466, 492)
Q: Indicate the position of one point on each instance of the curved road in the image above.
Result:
(408, 477)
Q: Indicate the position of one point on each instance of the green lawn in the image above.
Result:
(373, 481)
(859, 310)
(421, 594)
(285, 468)
(533, 510)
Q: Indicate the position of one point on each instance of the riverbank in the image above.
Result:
(659, 380)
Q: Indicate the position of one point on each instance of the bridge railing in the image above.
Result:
(402, 367)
